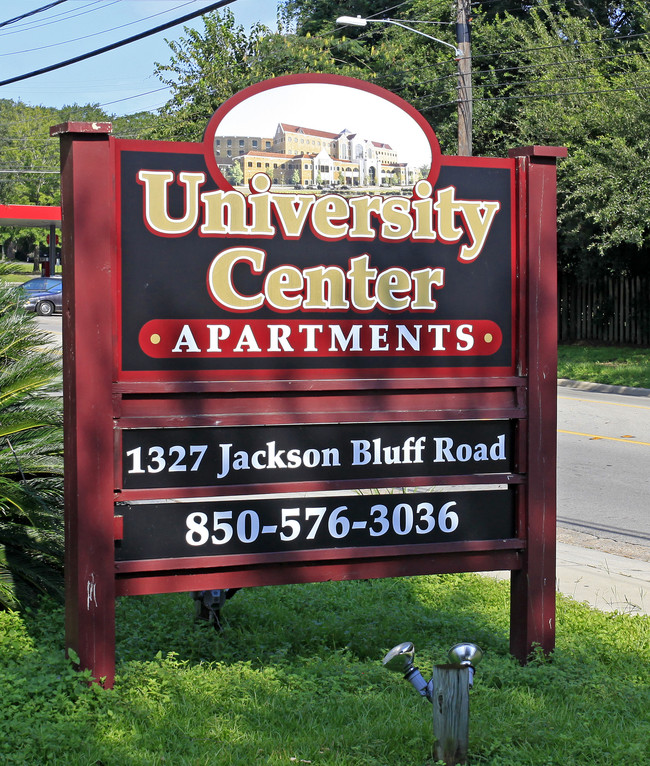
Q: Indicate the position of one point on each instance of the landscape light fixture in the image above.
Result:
(466, 655)
(400, 659)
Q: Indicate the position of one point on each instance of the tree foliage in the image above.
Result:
(29, 160)
(562, 78)
(573, 73)
(206, 67)
(201, 82)
(314, 16)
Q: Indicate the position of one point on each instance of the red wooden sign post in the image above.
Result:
(230, 350)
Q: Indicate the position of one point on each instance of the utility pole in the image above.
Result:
(464, 79)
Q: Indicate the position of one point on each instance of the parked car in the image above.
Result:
(39, 284)
(44, 295)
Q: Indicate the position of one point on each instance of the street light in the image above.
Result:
(357, 21)
(463, 57)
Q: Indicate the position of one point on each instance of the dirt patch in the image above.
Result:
(629, 550)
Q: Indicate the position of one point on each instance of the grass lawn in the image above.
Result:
(616, 366)
(20, 271)
(296, 677)
(18, 277)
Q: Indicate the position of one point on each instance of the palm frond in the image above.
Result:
(31, 459)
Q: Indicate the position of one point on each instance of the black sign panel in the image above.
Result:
(172, 322)
(214, 456)
(180, 529)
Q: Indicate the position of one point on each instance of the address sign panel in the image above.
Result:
(210, 457)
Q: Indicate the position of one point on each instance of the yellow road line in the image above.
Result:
(602, 401)
(608, 438)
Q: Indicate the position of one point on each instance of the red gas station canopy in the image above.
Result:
(30, 215)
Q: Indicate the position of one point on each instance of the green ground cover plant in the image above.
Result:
(296, 677)
(611, 365)
(31, 458)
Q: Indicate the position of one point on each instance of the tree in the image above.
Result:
(575, 85)
(206, 67)
(138, 125)
(560, 74)
(28, 157)
(31, 459)
(316, 16)
(201, 81)
(235, 173)
(29, 160)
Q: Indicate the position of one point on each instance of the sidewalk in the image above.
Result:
(604, 580)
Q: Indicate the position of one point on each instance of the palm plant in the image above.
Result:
(31, 458)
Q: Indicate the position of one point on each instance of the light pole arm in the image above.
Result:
(456, 50)
(358, 21)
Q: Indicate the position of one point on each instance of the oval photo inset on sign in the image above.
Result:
(321, 133)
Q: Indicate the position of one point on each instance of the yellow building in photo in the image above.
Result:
(307, 157)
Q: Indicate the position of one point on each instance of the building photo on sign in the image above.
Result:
(320, 136)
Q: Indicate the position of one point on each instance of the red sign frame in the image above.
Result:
(102, 399)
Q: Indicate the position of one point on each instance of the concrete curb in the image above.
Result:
(602, 388)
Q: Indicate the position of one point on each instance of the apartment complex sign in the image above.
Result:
(310, 347)
(346, 269)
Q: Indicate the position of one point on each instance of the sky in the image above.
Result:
(121, 81)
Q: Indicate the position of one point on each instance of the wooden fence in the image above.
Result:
(611, 310)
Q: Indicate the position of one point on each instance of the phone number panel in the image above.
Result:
(179, 530)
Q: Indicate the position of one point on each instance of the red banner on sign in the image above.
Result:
(199, 338)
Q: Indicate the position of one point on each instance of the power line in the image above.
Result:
(94, 34)
(561, 94)
(67, 15)
(119, 44)
(566, 46)
(137, 95)
(480, 77)
(31, 13)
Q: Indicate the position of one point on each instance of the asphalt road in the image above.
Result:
(603, 461)
(604, 465)
(52, 325)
